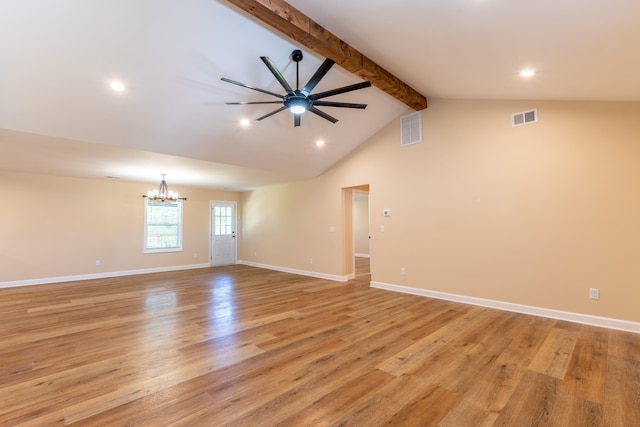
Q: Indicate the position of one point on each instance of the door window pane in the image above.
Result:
(223, 220)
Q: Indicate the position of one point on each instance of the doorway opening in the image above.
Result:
(361, 236)
(357, 253)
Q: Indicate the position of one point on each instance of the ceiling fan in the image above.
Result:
(300, 100)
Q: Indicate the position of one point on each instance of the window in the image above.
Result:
(162, 226)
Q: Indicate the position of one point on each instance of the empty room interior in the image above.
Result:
(260, 213)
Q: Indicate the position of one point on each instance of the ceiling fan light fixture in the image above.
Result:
(298, 106)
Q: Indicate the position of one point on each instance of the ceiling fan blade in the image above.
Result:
(271, 113)
(252, 103)
(339, 90)
(339, 104)
(322, 114)
(318, 75)
(278, 75)
(224, 79)
(296, 120)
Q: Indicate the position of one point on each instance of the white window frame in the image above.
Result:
(177, 248)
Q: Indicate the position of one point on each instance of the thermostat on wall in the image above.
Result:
(386, 212)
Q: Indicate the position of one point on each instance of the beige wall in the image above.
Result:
(533, 215)
(289, 225)
(58, 227)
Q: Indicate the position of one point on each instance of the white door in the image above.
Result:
(223, 233)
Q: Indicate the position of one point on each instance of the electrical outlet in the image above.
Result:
(195, 254)
(97, 262)
(594, 293)
(310, 260)
(403, 271)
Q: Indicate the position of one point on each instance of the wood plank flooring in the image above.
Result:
(243, 346)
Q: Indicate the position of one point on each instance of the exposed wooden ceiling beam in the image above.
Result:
(296, 25)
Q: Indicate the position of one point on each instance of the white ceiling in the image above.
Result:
(58, 116)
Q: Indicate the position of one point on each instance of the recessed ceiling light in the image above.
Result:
(244, 122)
(319, 143)
(116, 86)
(527, 73)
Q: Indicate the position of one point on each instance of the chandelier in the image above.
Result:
(163, 194)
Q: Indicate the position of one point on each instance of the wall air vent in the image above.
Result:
(524, 118)
(411, 129)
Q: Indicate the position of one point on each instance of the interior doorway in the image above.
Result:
(361, 224)
(353, 200)
(223, 233)
(361, 234)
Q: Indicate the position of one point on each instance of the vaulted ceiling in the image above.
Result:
(58, 115)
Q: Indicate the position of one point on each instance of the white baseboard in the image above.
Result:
(604, 322)
(300, 272)
(75, 278)
(362, 255)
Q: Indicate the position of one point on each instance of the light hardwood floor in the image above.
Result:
(244, 346)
